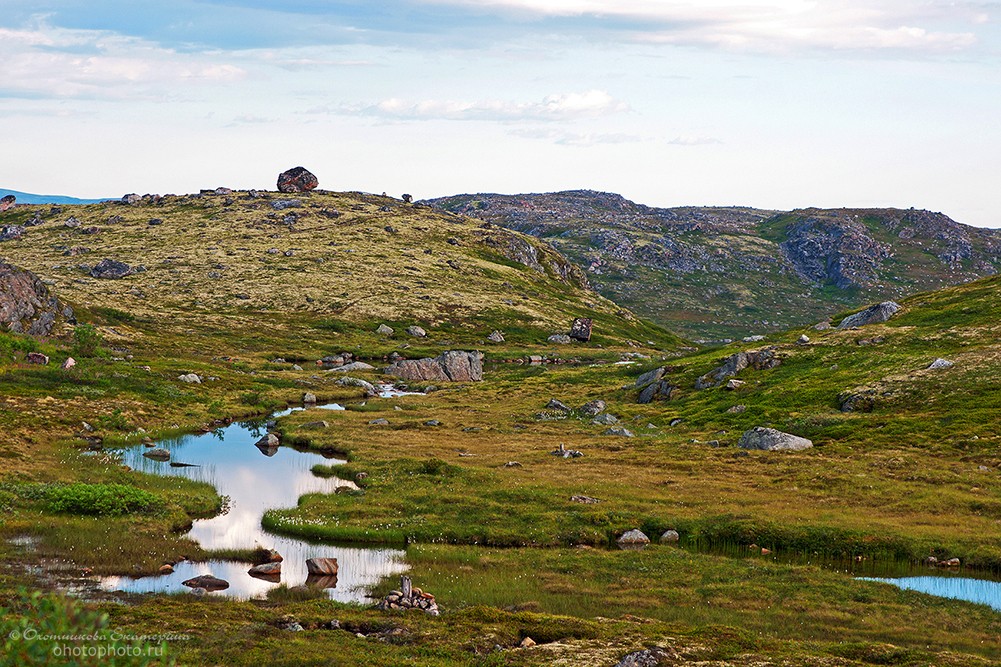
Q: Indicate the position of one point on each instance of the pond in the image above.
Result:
(981, 591)
(255, 480)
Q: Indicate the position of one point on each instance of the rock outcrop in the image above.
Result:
(297, 179)
(771, 439)
(757, 359)
(26, 306)
(450, 366)
(111, 269)
(875, 314)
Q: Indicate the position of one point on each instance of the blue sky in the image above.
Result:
(770, 103)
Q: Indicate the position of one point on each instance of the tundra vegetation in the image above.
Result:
(905, 462)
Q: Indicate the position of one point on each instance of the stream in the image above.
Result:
(255, 481)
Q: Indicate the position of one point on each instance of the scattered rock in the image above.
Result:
(322, 566)
(309, 398)
(822, 326)
(158, 453)
(650, 377)
(527, 642)
(586, 500)
(409, 597)
(432, 422)
(762, 359)
(940, 364)
(37, 358)
(669, 536)
(450, 366)
(312, 426)
(736, 409)
(605, 419)
(619, 431)
(496, 337)
(297, 179)
(633, 538)
(166, 568)
(353, 366)
(734, 383)
(648, 657)
(554, 404)
(266, 570)
(416, 331)
(771, 439)
(880, 312)
(7, 202)
(753, 339)
(859, 400)
(282, 204)
(111, 269)
(68, 364)
(581, 329)
(565, 453)
(560, 339)
(661, 390)
(272, 556)
(675, 421)
(803, 340)
(369, 388)
(512, 464)
(592, 408)
(381, 421)
(207, 582)
(384, 330)
(190, 378)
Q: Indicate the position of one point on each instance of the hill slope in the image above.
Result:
(714, 272)
(271, 260)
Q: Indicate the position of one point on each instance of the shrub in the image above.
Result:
(87, 340)
(103, 499)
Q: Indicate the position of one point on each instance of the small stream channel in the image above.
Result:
(255, 481)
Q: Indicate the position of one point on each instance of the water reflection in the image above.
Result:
(980, 591)
(255, 481)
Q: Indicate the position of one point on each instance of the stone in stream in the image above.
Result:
(266, 570)
(208, 582)
(158, 453)
(369, 388)
(326, 567)
(268, 444)
(633, 539)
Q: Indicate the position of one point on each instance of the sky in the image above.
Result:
(775, 104)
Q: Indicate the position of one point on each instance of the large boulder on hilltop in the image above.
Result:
(297, 179)
(880, 312)
(25, 303)
(450, 366)
(771, 439)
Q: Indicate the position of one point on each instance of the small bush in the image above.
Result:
(87, 340)
(103, 500)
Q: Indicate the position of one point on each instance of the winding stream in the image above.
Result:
(255, 481)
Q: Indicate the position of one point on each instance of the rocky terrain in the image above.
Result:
(711, 272)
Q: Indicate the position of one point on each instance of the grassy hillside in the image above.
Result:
(714, 272)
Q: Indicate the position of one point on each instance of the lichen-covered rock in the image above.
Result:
(297, 179)
(762, 359)
(770, 439)
(879, 312)
(450, 366)
(581, 329)
(634, 537)
(111, 269)
(7, 202)
(26, 306)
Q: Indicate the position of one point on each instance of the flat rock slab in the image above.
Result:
(770, 439)
(208, 582)
(326, 567)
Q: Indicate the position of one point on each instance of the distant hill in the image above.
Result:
(713, 272)
(28, 198)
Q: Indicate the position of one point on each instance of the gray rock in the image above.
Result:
(648, 657)
(661, 390)
(369, 388)
(312, 426)
(352, 367)
(560, 339)
(7, 202)
(669, 536)
(37, 358)
(416, 331)
(762, 359)
(634, 537)
(771, 439)
(619, 431)
(268, 441)
(381, 421)
(207, 582)
(940, 363)
(309, 398)
(111, 269)
(585, 500)
(736, 409)
(753, 339)
(581, 329)
(553, 404)
(593, 408)
(650, 377)
(822, 326)
(157, 453)
(384, 330)
(450, 366)
(803, 340)
(266, 570)
(880, 312)
(734, 383)
(26, 306)
(190, 378)
(605, 419)
(496, 337)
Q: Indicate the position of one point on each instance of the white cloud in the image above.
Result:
(558, 107)
(579, 139)
(933, 26)
(693, 140)
(49, 61)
